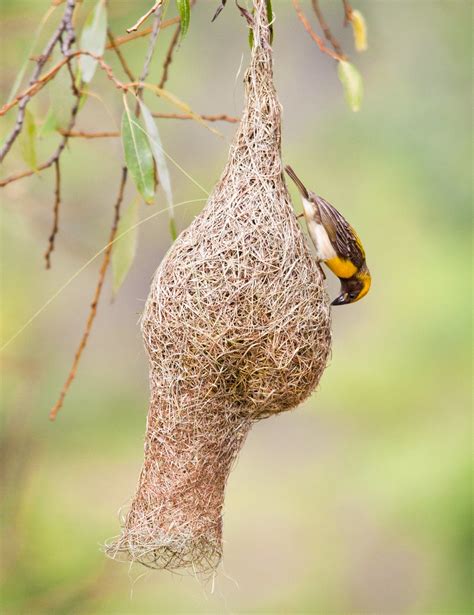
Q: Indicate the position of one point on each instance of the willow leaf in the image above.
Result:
(352, 83)
(93, 39)
(160, 159)
(184, 10)
(138, 155)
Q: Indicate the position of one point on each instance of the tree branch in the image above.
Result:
(57, 203)
(122, 40)
(144, 17)
(169, 57)
(325, 28)
(23, 100)
(347, 11)
(120, 56)
(317, 39)
(149, 53)
(95, 301)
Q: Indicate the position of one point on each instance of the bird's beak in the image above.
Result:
(341, 300)
(299, 184)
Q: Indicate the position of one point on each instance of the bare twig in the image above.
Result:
(93, 309)
(325, 28)
(71, 134)
(55, 156)
(347, 12)
(207, 118)
(144, 17)
(120, 56)
(317, 39)
(23, 100)
(57, 204)
(169, 57)
(42, 81)
(90, 135)
(122, 40)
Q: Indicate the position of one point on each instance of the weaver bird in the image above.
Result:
(337, 244)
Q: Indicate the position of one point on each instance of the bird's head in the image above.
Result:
(354, 288)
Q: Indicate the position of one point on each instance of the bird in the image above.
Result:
(337, 244)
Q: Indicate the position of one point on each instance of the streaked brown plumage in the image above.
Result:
(337, 244)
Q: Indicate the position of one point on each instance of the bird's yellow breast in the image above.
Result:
(341, 267)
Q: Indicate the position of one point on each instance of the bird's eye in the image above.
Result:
(353, 294)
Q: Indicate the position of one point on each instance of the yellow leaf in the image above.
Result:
(359, 28)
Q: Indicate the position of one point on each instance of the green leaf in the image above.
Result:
(352, 83)
(185, 14)
(93, 39)
(173, 231)
(138, 155)
(159, 155)
(125, 247)
(28, 140)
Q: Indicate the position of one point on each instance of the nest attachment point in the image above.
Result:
(236, 327)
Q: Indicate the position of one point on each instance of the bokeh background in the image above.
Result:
(357, 502)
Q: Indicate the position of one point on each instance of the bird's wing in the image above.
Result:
(343, 237)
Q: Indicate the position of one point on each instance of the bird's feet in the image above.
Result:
(321, 270)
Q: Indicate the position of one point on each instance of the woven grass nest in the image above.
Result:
(237, 328)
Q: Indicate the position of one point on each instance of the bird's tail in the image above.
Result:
(301, 187)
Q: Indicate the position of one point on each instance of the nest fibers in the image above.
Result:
(237, 328)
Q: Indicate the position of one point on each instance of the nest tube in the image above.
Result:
(236, 327)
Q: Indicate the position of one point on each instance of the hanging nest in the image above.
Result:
(237, 328)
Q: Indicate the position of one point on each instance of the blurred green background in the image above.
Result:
(360, 500)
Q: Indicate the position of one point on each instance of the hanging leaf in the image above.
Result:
(28, 140)
(138, 155)
(359, 29)
(160, 159)
(219, 9)
(352, 83)
(184, 10)
(124, 249)
(93, 39)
